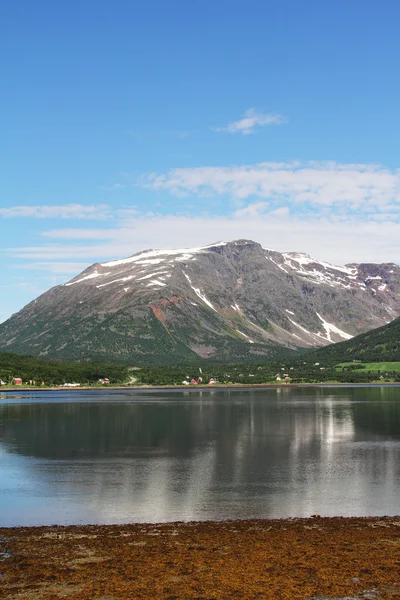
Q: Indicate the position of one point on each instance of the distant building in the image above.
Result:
(17, 381)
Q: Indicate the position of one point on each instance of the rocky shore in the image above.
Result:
(316, 558)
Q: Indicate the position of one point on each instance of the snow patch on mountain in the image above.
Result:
(152, 275)
(301, 327)
(241, 333)
(330, 328)
(128, 278)
(306, 259)
(156, 282)
(157, 256)
(199, 293)
(91, 276)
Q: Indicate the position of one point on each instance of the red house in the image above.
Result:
(17, 381)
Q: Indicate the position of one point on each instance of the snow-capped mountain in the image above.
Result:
(229, 300)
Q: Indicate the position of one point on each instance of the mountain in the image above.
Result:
(227, 301)
(379, 345)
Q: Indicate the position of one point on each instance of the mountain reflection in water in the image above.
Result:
(109, 457)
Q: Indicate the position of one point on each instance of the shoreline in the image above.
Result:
(297, 558)
(228, 386)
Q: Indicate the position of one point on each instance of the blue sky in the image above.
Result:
(131, 125)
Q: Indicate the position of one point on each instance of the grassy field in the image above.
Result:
(372, 367)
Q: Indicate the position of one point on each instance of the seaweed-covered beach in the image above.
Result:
(316, 558)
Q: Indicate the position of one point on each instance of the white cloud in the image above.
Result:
(251, 120)
(54, 267)
(336, 212)
(94, 212)
(252, 210)
(338, 241)
(64, 211)
(325, 184)
(81, 234)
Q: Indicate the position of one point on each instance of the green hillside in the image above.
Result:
(54, 372)
(376, 346)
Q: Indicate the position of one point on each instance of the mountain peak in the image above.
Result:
(227, 300)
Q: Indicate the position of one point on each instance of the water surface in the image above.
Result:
(157, 455)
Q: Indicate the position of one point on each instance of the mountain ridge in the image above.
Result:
(228, 300)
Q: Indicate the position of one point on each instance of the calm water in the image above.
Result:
(126, 456)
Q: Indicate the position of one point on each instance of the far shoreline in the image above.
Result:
(229, 386)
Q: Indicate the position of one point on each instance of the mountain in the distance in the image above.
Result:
(227, 301)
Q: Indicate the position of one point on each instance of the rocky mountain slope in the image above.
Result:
(227, 301)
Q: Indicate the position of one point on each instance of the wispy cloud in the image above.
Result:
(94, 212)
(336, 212)
(252, 210)
(251, 121)
(318, 184)
(327, 238)
(65, 211)
(59, 268)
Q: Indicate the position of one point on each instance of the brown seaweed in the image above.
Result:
(290, 559)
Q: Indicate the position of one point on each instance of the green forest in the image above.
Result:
(302, 370)
(53, 372)
(372, 356)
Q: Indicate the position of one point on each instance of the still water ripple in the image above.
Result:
(154, 455)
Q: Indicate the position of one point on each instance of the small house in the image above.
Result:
(17, 381)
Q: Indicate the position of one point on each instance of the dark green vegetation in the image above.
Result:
(56, 372)
(368, 357)
(372, 366)
(378, 345)
(299, 370)
(303, 370)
